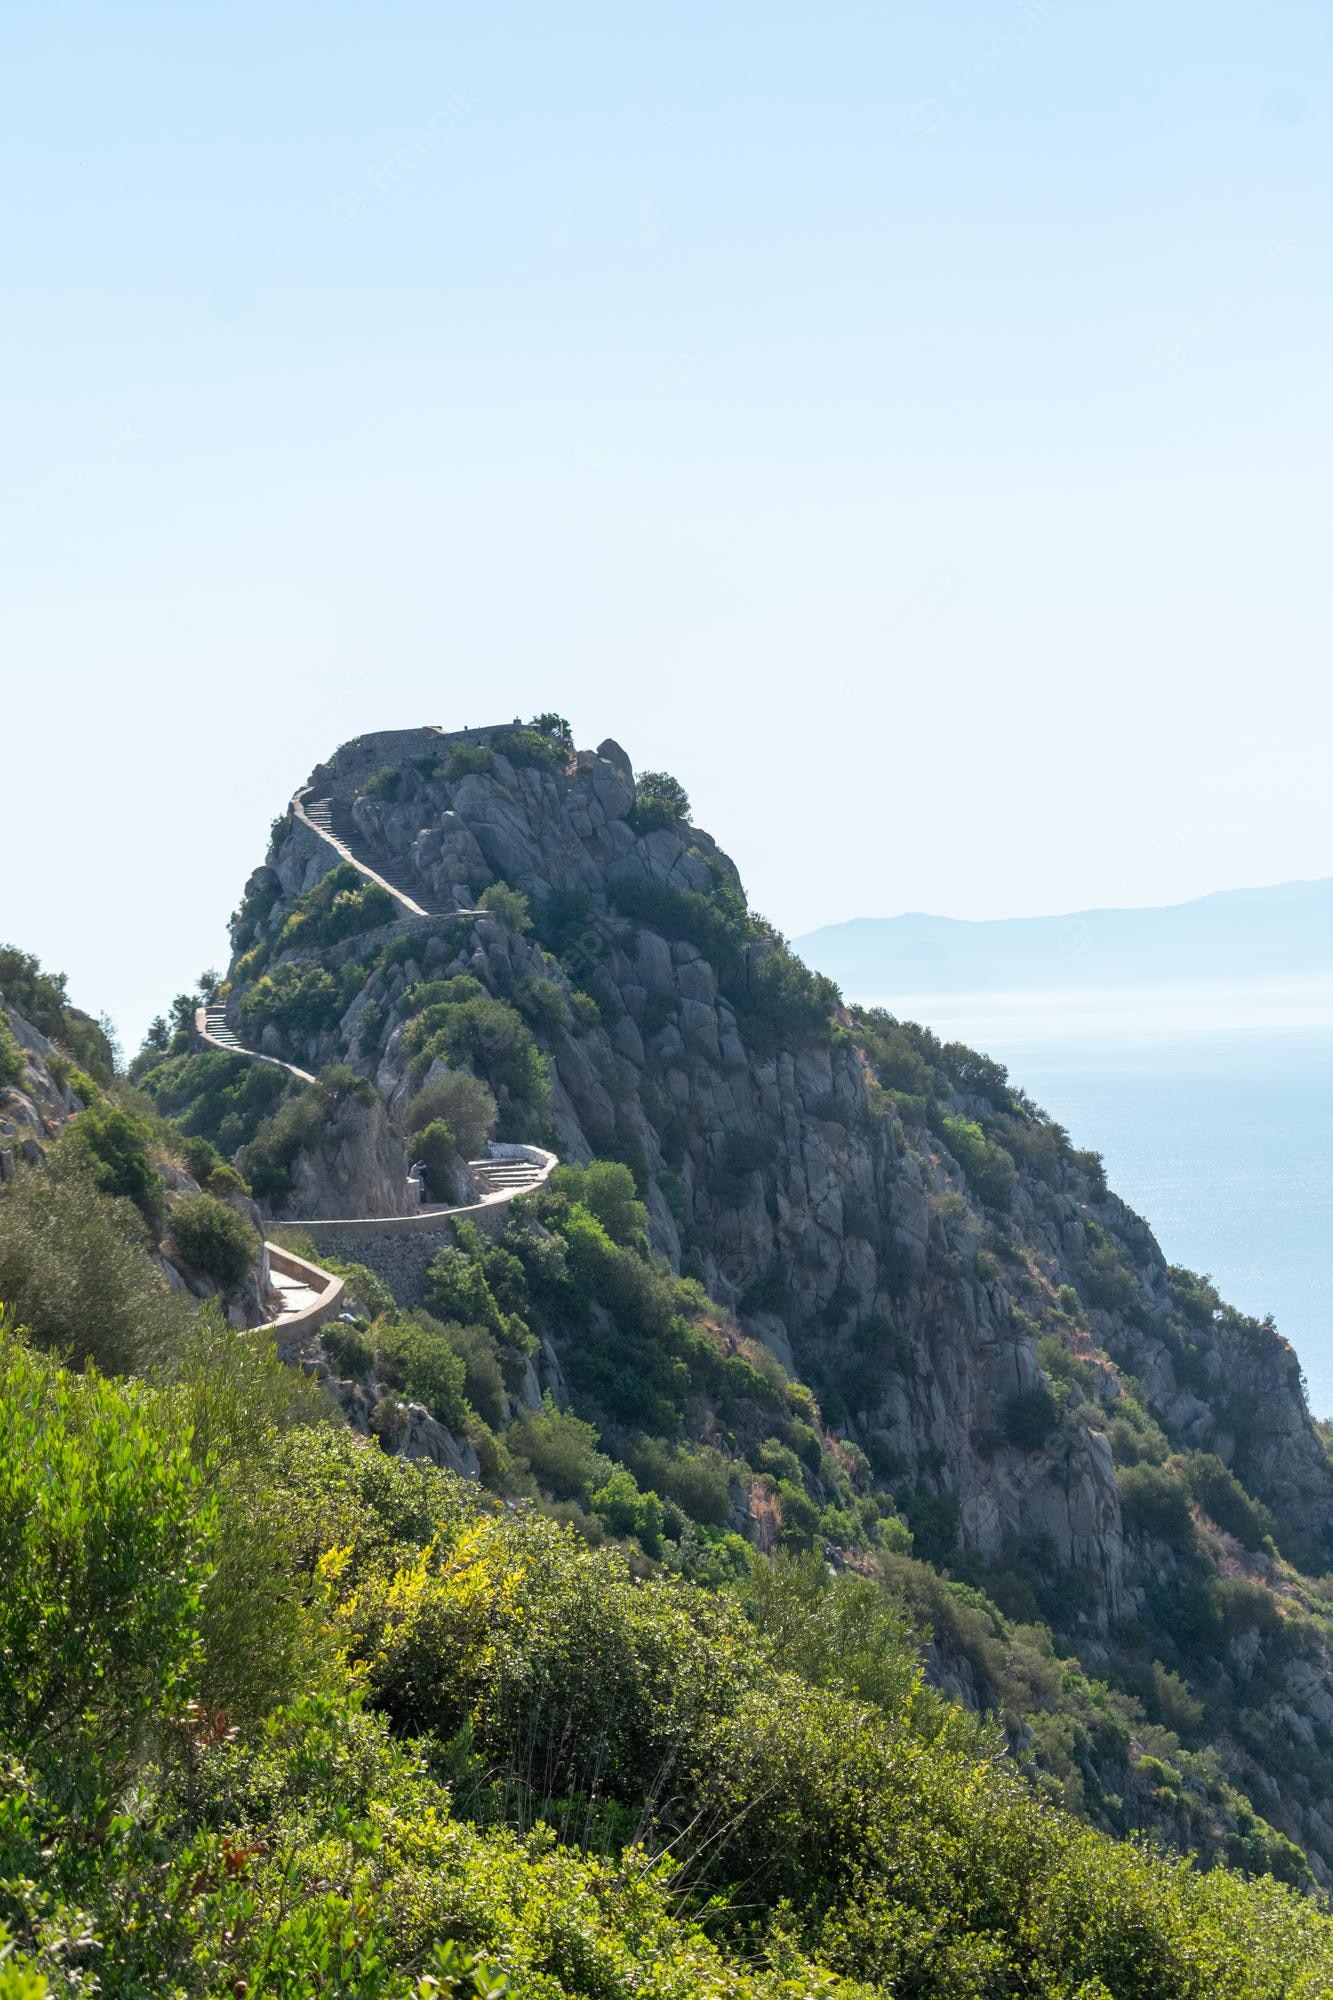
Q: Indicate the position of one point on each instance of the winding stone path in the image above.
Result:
(210, 1025)
(310, 1295)
(319, 815)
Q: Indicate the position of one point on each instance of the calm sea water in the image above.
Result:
(1215, 1118)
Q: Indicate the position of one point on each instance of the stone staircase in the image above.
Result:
(215, 1027)
(333, 820)
(494, 1179)
(210, 1024)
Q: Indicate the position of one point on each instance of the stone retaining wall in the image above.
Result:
(329, 1288)
(401, 1261)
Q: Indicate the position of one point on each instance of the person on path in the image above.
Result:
(420, 1173)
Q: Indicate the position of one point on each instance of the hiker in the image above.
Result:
(420, 1173)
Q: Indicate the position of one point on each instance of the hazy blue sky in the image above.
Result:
(909, 423)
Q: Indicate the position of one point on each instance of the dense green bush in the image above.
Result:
(610, 1782)
(437, 1150)
(385, 784)
(1030, 1415)
(509, 905)
(415, 1355)
(215, 1096)
(11, 1055)
(988, 1167)
(659, 800)
(115, 1149)
(464, 1103)
(1154, 1502)
(214, 1240)
(202, 1159)
(100, 1603)
(468, 760)
(350, 1350)
(487, 1036)
(1106, 1280)
(1216, 1489)
(559, 1450)
(530, 749)
(75, 1270)
(341, 905)
(299, 999)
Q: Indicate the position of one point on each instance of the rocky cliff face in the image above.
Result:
(37, 1102)
(992, 1327)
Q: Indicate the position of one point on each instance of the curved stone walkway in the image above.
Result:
(309, 1294)
(210, 1025)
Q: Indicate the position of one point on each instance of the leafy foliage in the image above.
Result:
(43, 1001)
(659, 800)
(114, 1148)
(464, 1104)
(11, 1055)
(299, 998)
(509, 905)
(214, 1240)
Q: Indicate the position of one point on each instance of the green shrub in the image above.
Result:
(1106, 1280)
(300, 1000)
(464, 1103)
(438, 1151)
(385, 784)
(414, 1354)
(75, 1271)
(698, 1480)
(349, 1350)
(468, 760)
(202, 1159)
(1030, 1415)
(627, 1511)
(214, 1096)
(659, 800)
(214, 1241)
(1217, 1490)
(1154, 1502)
(11, 1055)
(509, 905)
(104, 1542)
(299, 1123)
(484, 1382)
(560, 1451)
(116, 1150)
(341, 905)
(530, 749)
(987, 1166)
(489, 1037)
(606, 1188)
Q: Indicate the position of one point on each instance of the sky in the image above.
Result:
(908, 423)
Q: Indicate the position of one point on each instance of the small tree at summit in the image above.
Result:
(659, 800)
(548, 723)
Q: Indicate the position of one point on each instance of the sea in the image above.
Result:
(1213, 1111)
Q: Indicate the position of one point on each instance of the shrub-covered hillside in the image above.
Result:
(284, 1715)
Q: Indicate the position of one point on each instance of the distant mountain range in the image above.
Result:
(1236, 937)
